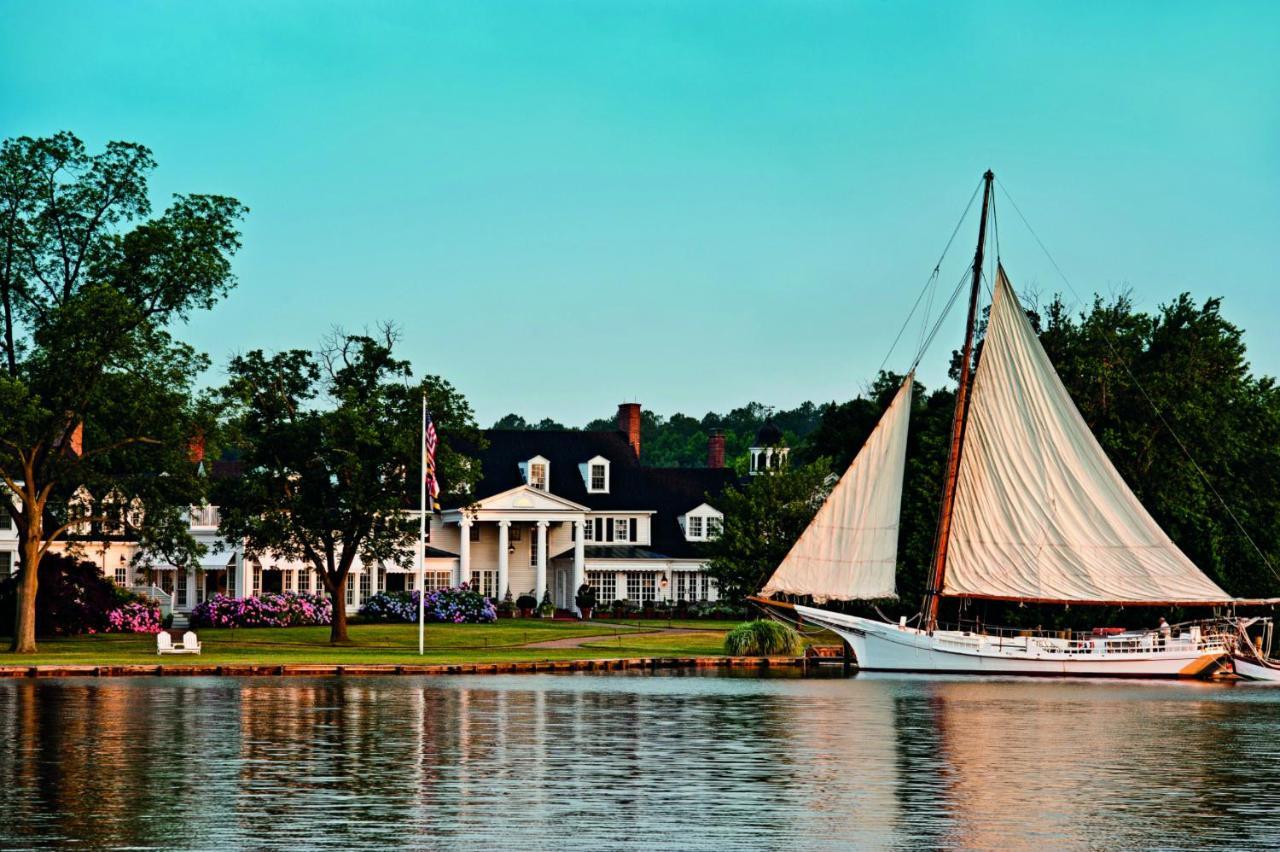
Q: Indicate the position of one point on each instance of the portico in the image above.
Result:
(504, 542)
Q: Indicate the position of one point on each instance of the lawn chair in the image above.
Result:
(189, 644)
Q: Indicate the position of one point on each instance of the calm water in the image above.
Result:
(617, 761)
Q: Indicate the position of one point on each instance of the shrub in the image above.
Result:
(290, 609)
(443, 606)
(526, 602)
(761, 639)
(135, 617)
(73, 598)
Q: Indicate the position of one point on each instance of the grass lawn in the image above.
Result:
(386, 643)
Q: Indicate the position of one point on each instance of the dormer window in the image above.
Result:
(703, 523)
(595, 473)
(539, 473)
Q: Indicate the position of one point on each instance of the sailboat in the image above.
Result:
(1032, 511)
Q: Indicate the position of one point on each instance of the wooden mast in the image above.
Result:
(937, 573)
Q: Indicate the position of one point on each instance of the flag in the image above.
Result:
(429, 443)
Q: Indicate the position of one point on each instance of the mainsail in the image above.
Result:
(850, 549)
(1041, 514)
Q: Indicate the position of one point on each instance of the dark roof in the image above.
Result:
(667, 491)
(769, 435)
(437, 553)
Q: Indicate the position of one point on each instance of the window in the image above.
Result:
(695, 526)
(6, 522)
(621, 529)
(305, 582)
(588, 531)
(6, 564)
(122, 577)
(516, 532)
(474, 535)
(538, 475)
(597, 477)
(182, 586)
(351, 590)
(642, 586)
(257, 579)
(606, 586)
(364, 585)
(485, 582)
(432, 580)
(713, 527)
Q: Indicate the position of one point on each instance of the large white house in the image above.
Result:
(552, 508)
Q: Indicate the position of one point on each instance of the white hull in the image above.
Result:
(1253, 671)
(879, 646)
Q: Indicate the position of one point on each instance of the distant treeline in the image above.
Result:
(681, 440)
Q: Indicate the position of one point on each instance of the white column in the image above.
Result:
(579, 564)
(190, 602)
(244, 574)
(540, 568)
(503, 544)
(464, 552)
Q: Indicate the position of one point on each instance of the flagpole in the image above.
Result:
(422, 535)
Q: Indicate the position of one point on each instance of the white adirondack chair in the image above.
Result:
(189, 644)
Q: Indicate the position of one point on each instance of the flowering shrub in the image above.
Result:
(448, 606)
(290, 609)
(137, 617)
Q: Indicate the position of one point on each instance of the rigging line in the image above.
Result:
(933, 276)
(942, 316)
(1159, 414)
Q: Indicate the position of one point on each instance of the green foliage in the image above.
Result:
(330, 442)
(763, 638)
(90, 285)
(762, 519)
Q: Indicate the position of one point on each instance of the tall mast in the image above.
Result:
(939, 570)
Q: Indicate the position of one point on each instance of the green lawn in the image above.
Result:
(383, 643)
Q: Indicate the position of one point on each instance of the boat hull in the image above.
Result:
(879, 646)
(1252, 671)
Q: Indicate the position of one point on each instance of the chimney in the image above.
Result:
(629, 424)
(715, 450)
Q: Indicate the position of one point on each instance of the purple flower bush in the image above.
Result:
(136, 617)
(445, 606)
(290, 609)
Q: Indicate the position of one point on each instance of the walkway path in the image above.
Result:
(579, 641)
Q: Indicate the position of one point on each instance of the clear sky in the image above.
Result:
(688, 204)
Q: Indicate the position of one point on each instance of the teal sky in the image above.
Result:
(688, 204)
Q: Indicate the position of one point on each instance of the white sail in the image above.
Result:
(1040, 512)
(850, 549)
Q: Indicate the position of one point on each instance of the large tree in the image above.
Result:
(762, 519)
(329, 443)
(94, 389)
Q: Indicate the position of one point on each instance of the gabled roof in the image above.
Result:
(668, 492)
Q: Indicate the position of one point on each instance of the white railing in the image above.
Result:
(158, 595)
(1205, 637)
(205, 516)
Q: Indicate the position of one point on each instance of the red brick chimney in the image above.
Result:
(629, 424)
(715, 450)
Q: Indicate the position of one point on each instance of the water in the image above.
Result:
(626, 761)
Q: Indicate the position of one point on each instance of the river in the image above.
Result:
(609, 761)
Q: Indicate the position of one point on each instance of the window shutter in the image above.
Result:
(599, 529)
(633, 530)
(608, 530)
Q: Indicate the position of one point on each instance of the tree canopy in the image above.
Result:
(330, 447)
(96, 392)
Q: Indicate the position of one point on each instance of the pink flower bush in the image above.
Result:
(290, 609)
(138, 617)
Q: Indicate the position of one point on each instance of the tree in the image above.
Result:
(330, 445)
(762, 519)
(96, 393)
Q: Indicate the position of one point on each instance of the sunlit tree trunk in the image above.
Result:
(24, 627)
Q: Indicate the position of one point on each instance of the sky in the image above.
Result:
(567, 205)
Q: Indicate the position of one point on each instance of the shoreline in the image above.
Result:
(350, 670)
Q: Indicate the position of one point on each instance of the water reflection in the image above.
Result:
(676, 761)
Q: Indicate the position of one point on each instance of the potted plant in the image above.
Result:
(586, 600)
(507, 606)
(526, 603)
(619, 608)
(546, 609)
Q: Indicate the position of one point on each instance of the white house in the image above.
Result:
(553, 507)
